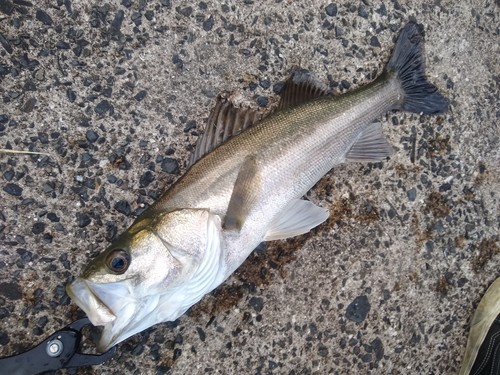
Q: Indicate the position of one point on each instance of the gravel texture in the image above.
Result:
(118, 93)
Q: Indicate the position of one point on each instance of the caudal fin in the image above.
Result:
(407, 62)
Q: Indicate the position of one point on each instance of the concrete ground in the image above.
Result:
(117, 94)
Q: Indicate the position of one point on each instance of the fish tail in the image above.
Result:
(407, 62)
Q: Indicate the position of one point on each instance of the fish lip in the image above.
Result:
(82, 293)
(90, 298)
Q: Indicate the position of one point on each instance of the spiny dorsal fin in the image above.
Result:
(225, 121)
(302, 86)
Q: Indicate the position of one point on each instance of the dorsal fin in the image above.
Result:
(302, 86)
(225, 120)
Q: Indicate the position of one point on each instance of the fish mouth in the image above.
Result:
(112, 306)
(80, 292)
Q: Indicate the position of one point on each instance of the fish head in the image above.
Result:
(152, 273)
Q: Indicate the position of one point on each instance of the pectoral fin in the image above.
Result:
(298, 217)
(370, 146)
(245, 193)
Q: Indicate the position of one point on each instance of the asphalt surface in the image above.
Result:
(117, 95)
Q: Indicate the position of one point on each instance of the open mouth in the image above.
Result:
(83, 295)
(111, 305)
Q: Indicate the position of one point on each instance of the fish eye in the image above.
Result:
(118, 261)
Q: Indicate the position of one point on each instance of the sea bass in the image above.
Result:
(245, 187)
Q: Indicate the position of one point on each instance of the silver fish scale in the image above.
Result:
(294, 148)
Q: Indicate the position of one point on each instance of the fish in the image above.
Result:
(245, 185)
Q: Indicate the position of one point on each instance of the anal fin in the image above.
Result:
(370, 146)
(298, 217)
